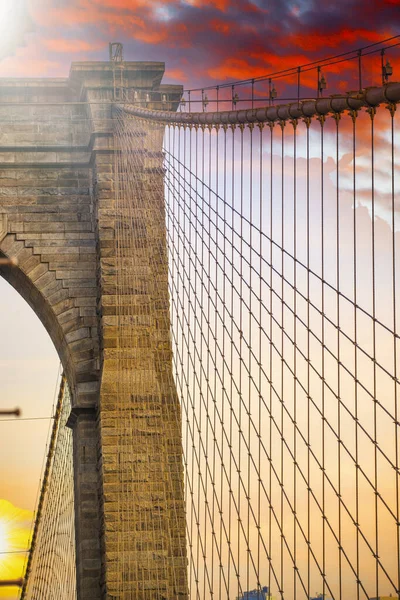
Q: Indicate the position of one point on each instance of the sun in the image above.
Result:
(14, 23)
(15, 532)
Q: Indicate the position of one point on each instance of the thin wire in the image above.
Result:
(322, 122)
(314, 273)
(339, 427)
(275, 475)
(308, 355)
(249, 360)
(355, 335)
(372, 115)
(271, 213)
(328, 480)
(282, 342)
(315, 336)
(295, 223)
(394, 299)
(260, 338)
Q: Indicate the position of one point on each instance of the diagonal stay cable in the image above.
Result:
(296, 260)
(334, 489)
(383, 408)
(303, 296)
(317, 408)
(329, 481)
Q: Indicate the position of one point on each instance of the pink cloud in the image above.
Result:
(72, 46)
(176, 75)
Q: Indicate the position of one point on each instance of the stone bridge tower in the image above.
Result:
(57, 218)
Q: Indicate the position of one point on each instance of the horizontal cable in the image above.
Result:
(306, 109)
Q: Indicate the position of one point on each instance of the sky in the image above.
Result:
(201, 43)
(29, 379)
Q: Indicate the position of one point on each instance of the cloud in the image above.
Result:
(222, 5)
(316, 41)
(72, 46)
(220, 26)
(235, 68)
(176, 75)
(31, 60)
(218, 39)
(14, 24)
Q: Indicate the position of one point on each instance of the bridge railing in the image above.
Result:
(369, 66)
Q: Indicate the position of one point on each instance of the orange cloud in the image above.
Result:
(176, 75)
(29, 66)
(341, 76)
(314, 41)
(211, 33)
(221, 5)
(151, 36)
(120, 13)
(236, 68)
(112, 18)
(80, 12)
(64, 45)
(220, 26)
(130, 5)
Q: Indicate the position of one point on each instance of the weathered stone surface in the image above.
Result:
(57, 217)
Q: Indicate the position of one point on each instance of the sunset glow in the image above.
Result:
(283, 232)
(14, 23)
(3, 538)
(15, 528)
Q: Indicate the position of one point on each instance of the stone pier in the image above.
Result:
(57, 218)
